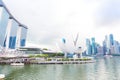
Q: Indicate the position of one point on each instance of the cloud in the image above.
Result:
(108, 12)
(51, 20)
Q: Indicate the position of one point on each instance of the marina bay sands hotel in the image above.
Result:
(12, 32)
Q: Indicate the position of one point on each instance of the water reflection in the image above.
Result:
(103, 69)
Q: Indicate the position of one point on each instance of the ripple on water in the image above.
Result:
(102, 69)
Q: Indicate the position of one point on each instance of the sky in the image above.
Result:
(51, 20)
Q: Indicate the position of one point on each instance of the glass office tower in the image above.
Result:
(89, 49)
(104, 47)
(94, 49)
(111, 39)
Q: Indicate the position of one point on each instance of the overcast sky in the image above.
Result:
(51, 20)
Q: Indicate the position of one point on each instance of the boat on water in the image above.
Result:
(106, 56)
(17, 64)
(2, 76)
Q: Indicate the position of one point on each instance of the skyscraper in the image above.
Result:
(107, 41)
(23, 36)
(94, 49)
(89, 49)
(111, 39)
(104, 47)
(9, 28)
(116, 47)
(13, 34)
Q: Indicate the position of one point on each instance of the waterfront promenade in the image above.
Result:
(102, 69)
(47, 61)
(63, 62)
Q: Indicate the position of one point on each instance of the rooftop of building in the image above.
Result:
(11, 16)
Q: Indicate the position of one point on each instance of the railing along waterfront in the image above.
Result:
(63, 61)
(48, 60)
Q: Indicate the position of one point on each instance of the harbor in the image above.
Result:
(102, 69)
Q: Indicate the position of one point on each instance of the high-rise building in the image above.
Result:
(89, 49)
(107, 41)
(116, 47)
(11, 30)
(111, 39)
(104, 47)
(13, 34)
(23, 36)
(94, 49)
(99, 49)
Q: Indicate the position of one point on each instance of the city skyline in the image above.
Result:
(109, 46)
(50, 21)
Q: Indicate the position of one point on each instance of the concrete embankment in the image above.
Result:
(62, 62)
(52, 62)
(47, 61)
